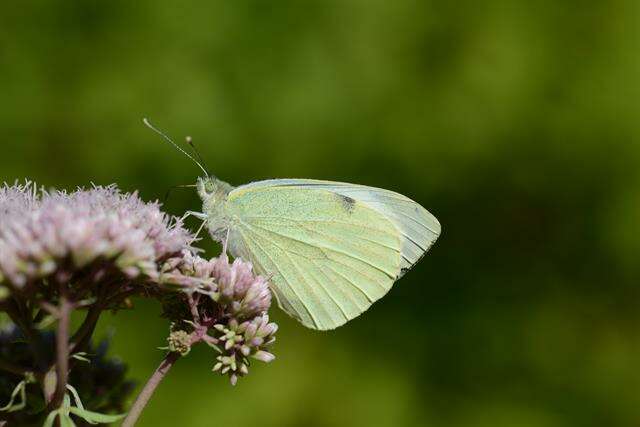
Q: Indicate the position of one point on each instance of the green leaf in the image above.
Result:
(21, 391)
(51, 418)
(66, 404)
(66, 421)
(82, 356)
(46, 322)
(95, 417)
(76, 396)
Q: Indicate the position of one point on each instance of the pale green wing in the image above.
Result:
(418, 227)
(333, 249)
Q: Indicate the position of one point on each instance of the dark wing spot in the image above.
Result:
(347, 202)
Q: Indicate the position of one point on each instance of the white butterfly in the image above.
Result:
(332, 248)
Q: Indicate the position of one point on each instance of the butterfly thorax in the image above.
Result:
(213, 193)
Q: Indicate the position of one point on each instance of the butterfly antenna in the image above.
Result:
(197, 153)
(166, 138)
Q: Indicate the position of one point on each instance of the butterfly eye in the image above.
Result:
(209, 187)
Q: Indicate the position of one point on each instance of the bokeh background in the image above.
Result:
(515, 122)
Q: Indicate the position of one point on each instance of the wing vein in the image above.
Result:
(286, 280)
(353, 285)
(324, 247)
(371, 279)
(417, 222)
(329, 221)
(344, 314)
(304, 280)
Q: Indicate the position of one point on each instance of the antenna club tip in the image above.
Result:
(188, 139)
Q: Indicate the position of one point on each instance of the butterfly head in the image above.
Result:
(207, 187)
(212, 190)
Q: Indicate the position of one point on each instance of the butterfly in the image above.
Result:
(331, 249)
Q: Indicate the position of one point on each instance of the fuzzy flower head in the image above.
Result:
(225, 305)
(233, 286)
(59, 235)
(239, 290)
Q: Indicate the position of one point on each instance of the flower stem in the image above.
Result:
(62, 350)
(82, 336)
(149, 389)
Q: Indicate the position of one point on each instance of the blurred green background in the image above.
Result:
(515, 122)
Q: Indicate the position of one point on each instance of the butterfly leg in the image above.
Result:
(198, 232)
(226, 240)
(201, 216)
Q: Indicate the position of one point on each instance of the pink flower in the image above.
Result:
(58, 234)
(227, 305)
(233, 286)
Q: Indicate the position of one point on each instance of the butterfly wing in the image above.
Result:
(333, 248)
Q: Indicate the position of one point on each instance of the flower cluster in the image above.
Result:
(239, 291)
(58, 235)
(93, 249)
(226, 304)
(251, 338)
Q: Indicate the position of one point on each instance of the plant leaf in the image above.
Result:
(47, 321)
(95, 417)
(76, 396)
(65, 408)
(51, 418)
(66, 421)
(82, 356)
(19, 390)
